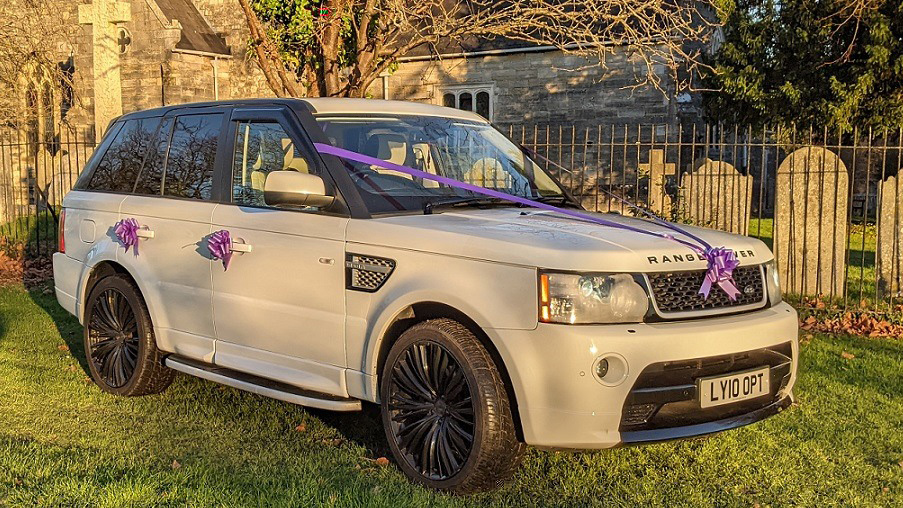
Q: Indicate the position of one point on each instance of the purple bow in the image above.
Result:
(220, 245)
(127, 232)
(722, 262)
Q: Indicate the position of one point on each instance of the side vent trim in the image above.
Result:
(367, 273)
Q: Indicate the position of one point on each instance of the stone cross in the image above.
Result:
(659, 201)
(103, 15)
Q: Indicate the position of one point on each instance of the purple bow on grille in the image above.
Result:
(722, 262)
(220, 245)
(127, 232)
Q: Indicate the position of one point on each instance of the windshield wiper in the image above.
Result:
(477, 201)
(560, 200)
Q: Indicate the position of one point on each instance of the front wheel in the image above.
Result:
(445, 410)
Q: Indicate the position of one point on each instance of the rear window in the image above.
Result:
(150, 181)
(190, 160)
(121, 163)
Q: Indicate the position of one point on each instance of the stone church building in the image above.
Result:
(130, 55)
(147, 53)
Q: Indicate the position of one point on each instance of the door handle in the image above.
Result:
(145, 233)
(240, 246)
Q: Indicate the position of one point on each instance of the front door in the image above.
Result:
(173, 203)
(279, 308)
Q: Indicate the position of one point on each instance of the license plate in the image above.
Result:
(718, 390)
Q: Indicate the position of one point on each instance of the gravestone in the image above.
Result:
(715, 195)
(810, 223)
(890, 236)
(658, 200)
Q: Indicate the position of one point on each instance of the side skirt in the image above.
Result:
(261, 386)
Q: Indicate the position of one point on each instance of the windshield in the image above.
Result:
(471, 152)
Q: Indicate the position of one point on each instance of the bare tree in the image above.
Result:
(36, 40)
(339, 47)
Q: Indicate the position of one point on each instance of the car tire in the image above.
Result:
(120, 347)
(438, 387)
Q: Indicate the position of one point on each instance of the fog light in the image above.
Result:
(602, 368)
(610, 369)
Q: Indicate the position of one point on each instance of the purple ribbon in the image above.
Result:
(127, 232)
(721, 261)
(220, 245)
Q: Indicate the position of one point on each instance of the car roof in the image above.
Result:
(342, 106)
(326, 105)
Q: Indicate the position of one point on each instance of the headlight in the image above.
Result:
(772, 283)
(591, 298)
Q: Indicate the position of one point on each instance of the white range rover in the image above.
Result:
(217, 240)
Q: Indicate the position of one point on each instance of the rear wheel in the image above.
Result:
(445, 410)
(120, 346)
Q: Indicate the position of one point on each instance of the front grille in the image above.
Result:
(368, 273)
(676, 292)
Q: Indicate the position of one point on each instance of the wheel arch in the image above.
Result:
(101, 270)
(426, 310)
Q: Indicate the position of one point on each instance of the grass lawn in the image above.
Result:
(64, 443)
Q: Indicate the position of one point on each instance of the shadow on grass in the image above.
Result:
(66, 324)
(364, 427)
(360, 427)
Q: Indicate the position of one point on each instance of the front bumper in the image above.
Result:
(561, 404)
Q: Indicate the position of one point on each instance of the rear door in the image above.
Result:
(279, 308)
(174, 200)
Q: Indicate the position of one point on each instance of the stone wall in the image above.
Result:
(240, 76)
(154, 75)
(539, 87)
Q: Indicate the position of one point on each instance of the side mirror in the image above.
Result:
(291, 188)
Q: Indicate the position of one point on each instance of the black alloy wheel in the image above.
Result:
(113, 340)
(446, 410)
(432, 410)
(119, 340)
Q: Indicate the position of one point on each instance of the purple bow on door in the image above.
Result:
(220, 245)
(127, 232)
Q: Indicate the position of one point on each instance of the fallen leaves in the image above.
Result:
(16, 268)
(855, 323)
(63, 347)
(847, 356)
(382, 461)
(301, 427)
(176, 464)
(820, 316)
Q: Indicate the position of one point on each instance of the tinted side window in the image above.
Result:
(192, 153)
(122, 161)
(151, 179)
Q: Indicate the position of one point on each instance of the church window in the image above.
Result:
(476, 98)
